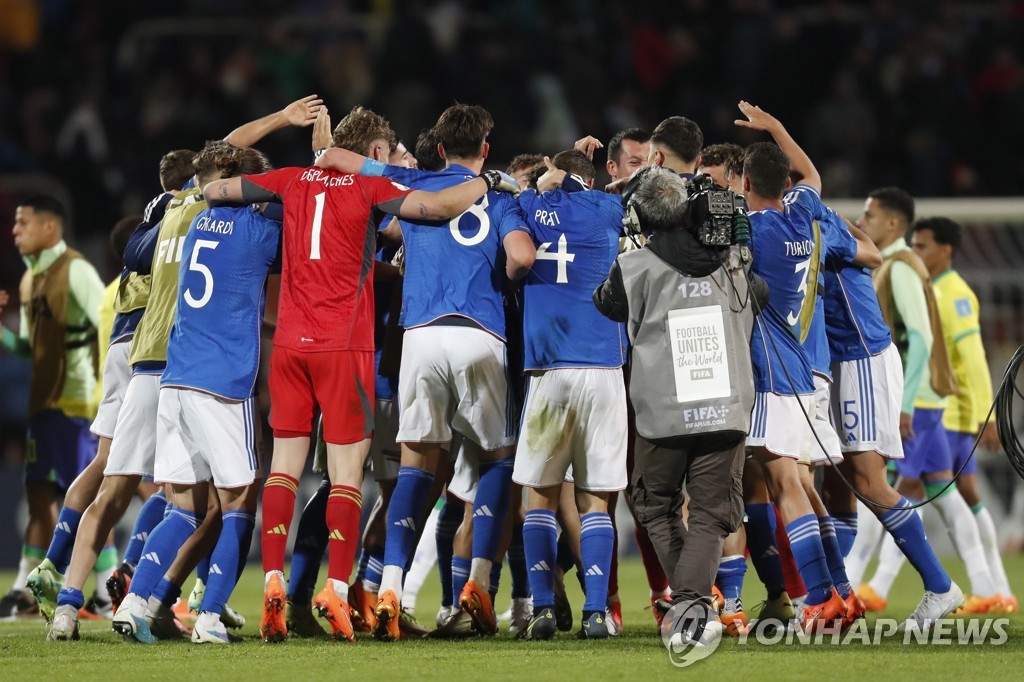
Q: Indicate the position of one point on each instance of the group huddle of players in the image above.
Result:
(439, 319)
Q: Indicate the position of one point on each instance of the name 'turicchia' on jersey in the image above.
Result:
(215, 342)
(784, 254)
(456, 268)
(577, 239)
(149, 345)
(837, 244)
(853, 318)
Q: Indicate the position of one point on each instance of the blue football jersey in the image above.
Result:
(853, 318)
(456, 268)
(836, 244)
(784, 249)
(577, 238)
(383, 292)
(215, 341)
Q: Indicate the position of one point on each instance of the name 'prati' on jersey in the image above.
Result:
(577, 239)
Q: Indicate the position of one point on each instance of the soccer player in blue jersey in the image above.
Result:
(206, 426)
(865, 403)
(453, 372)
(575, 411)
(832, 240)
(784, 251)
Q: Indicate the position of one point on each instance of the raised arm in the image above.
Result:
(223, 191)
(301, 112)
(758, 119)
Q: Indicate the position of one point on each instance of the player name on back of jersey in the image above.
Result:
(804, 248)
(208, 224)
(326, 178)
(549, 218)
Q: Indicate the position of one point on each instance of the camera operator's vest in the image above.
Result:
(691, 372)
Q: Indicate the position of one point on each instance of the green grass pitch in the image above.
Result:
(636, 655)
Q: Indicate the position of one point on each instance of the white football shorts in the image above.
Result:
(200, 437)
(454, 378)
(573, 418)
(133, 446)
(116, 375)
(778, 423)
(867, 396)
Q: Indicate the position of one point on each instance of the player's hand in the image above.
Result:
(990, 437)
(906, 426)
(4, 298)
(588, 145)
(302, 112)
(552, 178)
(757, 118)
(617, 186)
(322, 130)
(501, 182)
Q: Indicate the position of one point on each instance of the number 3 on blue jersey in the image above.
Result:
(562, 256)
(195, 265)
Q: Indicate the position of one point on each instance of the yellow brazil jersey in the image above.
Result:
(958, 309)
(150, 341)
(103, 331)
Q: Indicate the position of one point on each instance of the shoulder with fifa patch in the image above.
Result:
(963, 307)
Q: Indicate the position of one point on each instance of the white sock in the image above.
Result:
(869, 531)
(890, 561)
(391, 579)
(423, 561)
(340, 589)
(480, 573)
(990, 544)
(25, 566)
(964, 530)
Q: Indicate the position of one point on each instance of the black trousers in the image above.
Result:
(711, 466)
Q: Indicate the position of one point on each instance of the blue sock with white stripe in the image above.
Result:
(310, 545)
(597, 540)
(490, 507)
(540, 540)
(59, 552)
(161, 549)
(460, 574)
(227, 559)
(764, 554)
(805, 541)
(906, 528)
(404, 513)
(152, 513)
(834, 556)
(448, 522)
(374, 570)
(846, 531)
(730, 576)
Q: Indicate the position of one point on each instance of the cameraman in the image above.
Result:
(689, 317)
